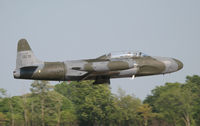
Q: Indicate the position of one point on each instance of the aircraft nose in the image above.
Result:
(179, 63)
(171, 64)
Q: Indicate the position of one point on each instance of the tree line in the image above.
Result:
(85, 104)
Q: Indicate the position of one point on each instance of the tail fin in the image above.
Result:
(25, 56)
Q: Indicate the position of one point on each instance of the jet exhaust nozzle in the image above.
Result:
(16, 74)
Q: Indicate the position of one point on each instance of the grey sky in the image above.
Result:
(79, 29)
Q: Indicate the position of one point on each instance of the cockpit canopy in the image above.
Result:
(124, 54)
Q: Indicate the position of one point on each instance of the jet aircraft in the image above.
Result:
(101, 69)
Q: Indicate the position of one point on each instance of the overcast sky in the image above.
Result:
(59, 30)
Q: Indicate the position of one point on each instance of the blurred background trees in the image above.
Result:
(85, 104)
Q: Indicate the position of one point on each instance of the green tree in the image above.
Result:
(82, 103)
(128, 106)
(193, 84)
(56, 107)
(94, 103)
(145, 112)
(173, 102)
(3, 119)
(51, 105)
(2, 92)
(41, 89)
(11, 108)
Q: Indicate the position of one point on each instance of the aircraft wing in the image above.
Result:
(99, 79)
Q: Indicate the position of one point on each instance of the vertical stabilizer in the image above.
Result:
(25, 56)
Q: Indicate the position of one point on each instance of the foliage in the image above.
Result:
(2, 92)
(82, 103)
(176, 103)
(128, 106)
(145, 113)
(94, 103)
